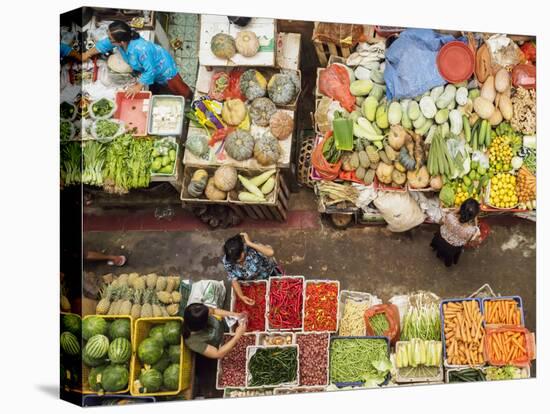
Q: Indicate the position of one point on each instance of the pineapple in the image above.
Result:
(157, 312)
(152, 280)
(139, 283)
(65, 304)
(164, 297)
(115, 295)
(177, 281)
(115, 284)
(108, 278)
(123, 280)
(161, 284)
(104, 304)
(146, 308)
(173, 309)
(135, 312)
(132, 278)
(176, 297)
(170, 285)
(164, 312)
(126, 305)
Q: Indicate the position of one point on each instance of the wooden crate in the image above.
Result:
(186, 198)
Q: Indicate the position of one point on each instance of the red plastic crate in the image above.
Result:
(134, 111)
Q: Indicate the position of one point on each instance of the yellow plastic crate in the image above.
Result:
(141, 331)
(186, 368)
(86, 370)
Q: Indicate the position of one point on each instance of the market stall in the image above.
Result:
(399, 120)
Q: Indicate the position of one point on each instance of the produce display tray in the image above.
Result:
(219, 368)
(141, 331)
(445, 363)
(312, 281)
(233, 301)
(268, 327)
(133, 111)
(356, 297)
(401, 378)
(271, 199)
(250, 391)
(251, 350)
(496, 298)
(327, 334)
(359, 383)
(187, 175)
(297, 390)
(262, 336)
(150, 125)
(174, 171)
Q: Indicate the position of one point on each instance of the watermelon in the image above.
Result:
(94, 325)
(174, 353)
(69, 343)
(120, 351)
(94, 377)
(92, 362)
(171, 377)
(97, 347)
(162, 363)
(71, 323)
(157, 333)
(151, 380)
(172, 332)
(114, 378)
(119, 328)
(149, 351)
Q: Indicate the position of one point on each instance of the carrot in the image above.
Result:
(518, 344)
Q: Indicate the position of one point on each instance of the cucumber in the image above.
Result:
(467, 129)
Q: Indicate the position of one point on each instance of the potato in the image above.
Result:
(483, 107)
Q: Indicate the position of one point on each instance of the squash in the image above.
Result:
(197, 144)
(266, 149)
(483, 107)
(502, 80)
(418, 178)
(223, 46)
(505, 106)
(233, 112)
(261, 111)
(398, 177)
(252, 84)
(496, 118)
(488, 89)
(436, 182)
(212, 193)
(239, 145)
(397, 137)
(281, 89)
(384, 173)
(198, 183)
(225, 178)
(247, 43)
(281, 125)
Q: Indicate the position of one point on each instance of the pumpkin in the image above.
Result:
(261, 111)
(247, 43)
(225, 178)
(197, 144)
(267, 150)
(223, 46)
(252, 84)
(239, 145)
(281, 89)
(281, 125)
(212, 193)
(233, 112)
(198, 183)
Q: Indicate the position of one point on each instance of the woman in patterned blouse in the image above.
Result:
(457, 229)
(246, 260)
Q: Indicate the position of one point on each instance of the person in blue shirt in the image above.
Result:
(154, 63)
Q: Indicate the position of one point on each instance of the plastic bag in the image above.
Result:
(411, 67)
(345, 35)
(430, 206)
(334, 83)
(208, 292)
(399, 210)
(233, 91)
(392, 315)
(504, 51)
(524, 75)
(528, 344)
(218, 86)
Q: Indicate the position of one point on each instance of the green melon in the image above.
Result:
(120, 351)
(162, 363)
(157, 333)
(93, 325)
(151, 380)
(94, 377)
(71, 323)
(69, 343)
(92, 362)
(114, 378)
(174, 353)
(172, 332)
(120, 328)
(171, 377)
(97, 347)
(149, 351)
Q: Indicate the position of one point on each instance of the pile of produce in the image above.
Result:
(232, 367)
(417, 352)
(275, 339)
(127, 164)
(67, 111)
(224, 46)
(273, 366)
(285, 303)
(231, 393)
(70, 340)
(66, 130)
(500, 155)
(71, 167)
(107, 353)
(321, 306)
(335, 193)
(466, 375)
(503, 373)
(94, 160)
(138, 296)
(422, 322)
(464, 333)
(164, 156)
(105, 129)
(103, 108)
(502, 311)
(256, 312)
(379, 324)
(507, 347)
(257, 189)
(313, 358)
(359, 360)
(524, 119)
(352, 322)
(526, 188)
(160, 357)
(503, 191)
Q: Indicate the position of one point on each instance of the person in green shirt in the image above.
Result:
(203, 331)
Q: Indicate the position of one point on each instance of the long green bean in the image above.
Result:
(273, 366)
(351, 360)
(379, 324)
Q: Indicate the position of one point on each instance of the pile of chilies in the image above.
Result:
(233, 365)
(285, 303)
(321, 307)
(255, 312)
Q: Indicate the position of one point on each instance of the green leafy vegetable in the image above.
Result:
(502, 373)
(66, 110)
(273, 366)
(65, 130)
(71, 158)
(103, 107)
(94, 159)
(106, 129)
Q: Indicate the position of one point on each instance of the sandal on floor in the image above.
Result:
(121, 261)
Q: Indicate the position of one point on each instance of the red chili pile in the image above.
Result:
(285, 303)
(256, 312)
(233, 365)
(321, 309)
(313, 358)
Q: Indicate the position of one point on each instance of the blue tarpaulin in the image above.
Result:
(411, 67)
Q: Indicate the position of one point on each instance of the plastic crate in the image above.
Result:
(175, 166)
(448, 371)
(133, 111)
(181, 114)
(141, 331)
(317, 281)
(263, 335)
(219, 364)
(359, 297)
(234, 299)
(97, 400)
(186, 368)
(268, 326)
(496, 298)
(86, 370)
(251, 350)
(327, 334)
(447, 365)
(358, 383)
(401, 378)
(297, 390)
(253, 392)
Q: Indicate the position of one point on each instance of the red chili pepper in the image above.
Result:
(219, 135)
(529, 50)
(285, 303)
(321, 306)
(256, 312)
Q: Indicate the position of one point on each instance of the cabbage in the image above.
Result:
(447, 195)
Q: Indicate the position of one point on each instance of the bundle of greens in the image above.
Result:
(94, 159)
(103, 107)
(422, 319)
(139, 166)
(71, 163)
(67, 110)
(106, 129)
(65, 130)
